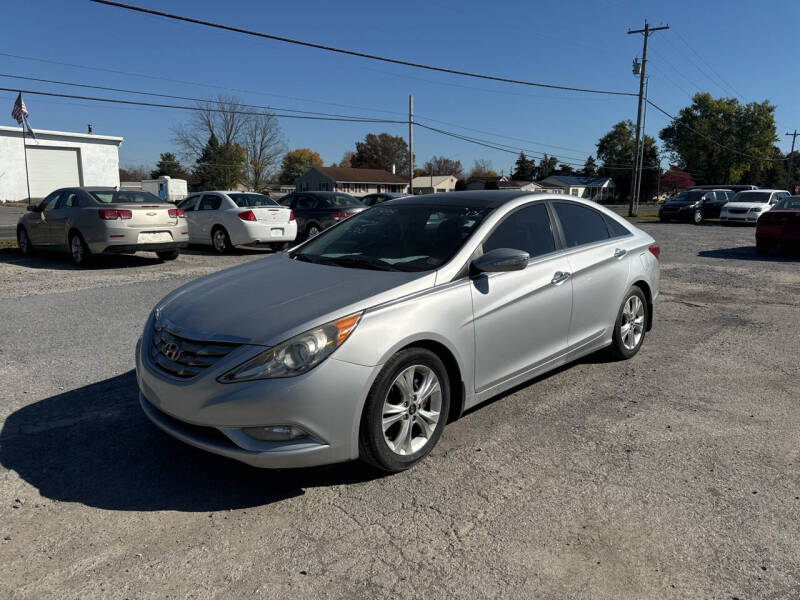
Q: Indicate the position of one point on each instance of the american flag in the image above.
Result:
(19, 113)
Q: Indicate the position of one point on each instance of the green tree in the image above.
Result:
(722, 141)
(616, 149)
(170, 166)
(482, 168)
(220, 166)
(589, 167)
(565, 169)
(382, 151)
(547, 166)
(297, 162)
(524, 168)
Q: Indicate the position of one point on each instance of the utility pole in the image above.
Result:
(791, 160)
(647, 31)
(411, 144)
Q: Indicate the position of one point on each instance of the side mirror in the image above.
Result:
(33, 208)
(501, 260)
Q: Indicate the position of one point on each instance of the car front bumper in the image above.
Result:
(748, 217)
(326, 403)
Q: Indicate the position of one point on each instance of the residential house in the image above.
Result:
(430, 184)
(599, 189)
(486, 183)
(516, 184)
(357, 182)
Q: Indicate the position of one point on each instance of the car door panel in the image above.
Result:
(59, 218)
(521, 320)
(39, 225)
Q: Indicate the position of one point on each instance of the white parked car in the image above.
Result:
(228, 219)
(748, 205)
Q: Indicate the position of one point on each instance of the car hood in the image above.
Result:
(746, 204)
(269, 300)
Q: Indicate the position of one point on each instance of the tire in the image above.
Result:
(279, 246)
(220, 240)
(24, 242)
(412, 433)
(312, 230)
(663, 219)
(628, 340)
(168, 254)
(762, 247)
(78, 250)
(698, 217)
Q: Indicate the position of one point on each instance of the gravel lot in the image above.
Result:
(674, 475)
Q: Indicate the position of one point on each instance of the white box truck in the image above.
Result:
(166, 188)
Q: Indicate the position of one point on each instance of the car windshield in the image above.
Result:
(408, 237)
(688, 196)
(752, 197)
(790, 203)
(342, 201)
(252, 200)
(125, 197)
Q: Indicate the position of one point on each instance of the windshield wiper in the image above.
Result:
(361, 261)
(305, 258)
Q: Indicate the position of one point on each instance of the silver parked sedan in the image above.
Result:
(390, 324)
(87, 221)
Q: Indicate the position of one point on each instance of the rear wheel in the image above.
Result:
(168, 254)
(220, 240)
(78, 250)
(312, 231)
(24, 242)
(629, 329)
(405, 411)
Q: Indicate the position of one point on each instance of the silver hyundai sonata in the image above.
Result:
(365, 340)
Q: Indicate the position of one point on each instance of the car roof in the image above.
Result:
(471, 199)
(763, 190)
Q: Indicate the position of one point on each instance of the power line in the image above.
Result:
(355, 53)
(160, 95)
(196, 108)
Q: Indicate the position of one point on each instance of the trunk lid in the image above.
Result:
(146, 216)
(271, 214)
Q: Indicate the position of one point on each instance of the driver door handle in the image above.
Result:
(620, 252)
(559, 277)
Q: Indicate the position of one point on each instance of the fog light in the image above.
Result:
(275, 433)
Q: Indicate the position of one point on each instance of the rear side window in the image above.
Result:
(616, 228)
(581, 225)
(209, 202)
(526, 229)
(188, 203)
(341, 201)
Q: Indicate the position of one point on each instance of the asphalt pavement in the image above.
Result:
(672, 475)
(9, 215)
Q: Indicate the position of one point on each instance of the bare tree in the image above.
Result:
(233, 123)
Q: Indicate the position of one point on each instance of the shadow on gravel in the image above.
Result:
(255, 250)
(749, 253)
(62, 262)
(94, 445)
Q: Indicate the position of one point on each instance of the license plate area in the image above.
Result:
(150, 237)
(276, 231)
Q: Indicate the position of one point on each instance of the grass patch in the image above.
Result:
(8, 243)
(648, 214)
(14, 203)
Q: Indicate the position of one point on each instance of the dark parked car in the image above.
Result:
(373, 199)
(316, 211)
(779, 226)
(695, 205)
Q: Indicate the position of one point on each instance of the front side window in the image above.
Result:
(306, 202)
(527, 229)
(580, 225)
(749, 196)
(49, 203)
(411, 238)
(69, 199)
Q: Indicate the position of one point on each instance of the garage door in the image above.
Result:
(52, 168)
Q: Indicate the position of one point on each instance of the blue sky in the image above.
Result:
(744, 46)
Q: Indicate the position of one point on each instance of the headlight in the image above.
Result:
(756, 209)
(297, 355)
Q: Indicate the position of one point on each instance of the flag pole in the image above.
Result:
(25, 152)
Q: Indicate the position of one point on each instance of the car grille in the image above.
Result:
(737, 211)
(185, 357)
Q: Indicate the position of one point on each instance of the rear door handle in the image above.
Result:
(559, 277)
(620, 252)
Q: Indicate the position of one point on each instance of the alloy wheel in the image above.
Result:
(698, 216)
(631, 328)
(76, 246)
(411, 410)
(220, 244)
(313, 231)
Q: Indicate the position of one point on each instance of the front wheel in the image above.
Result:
(762, 247)
(168, 254)
(630, 326)
(24, 242)
(698, 217)
(405, 411)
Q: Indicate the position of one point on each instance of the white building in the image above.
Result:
(55, 159)
(429, 184)
(599, 189)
